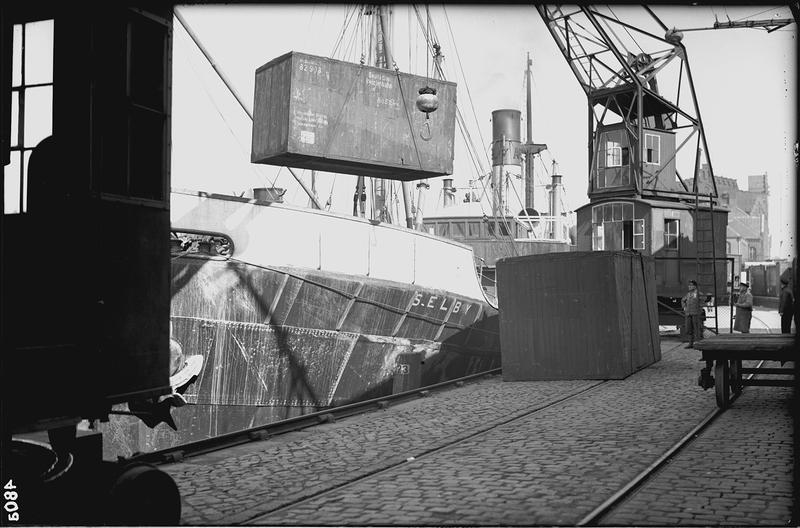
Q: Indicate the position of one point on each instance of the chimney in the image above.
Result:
(554, 189)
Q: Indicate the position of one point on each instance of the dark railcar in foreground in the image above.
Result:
(85, 264)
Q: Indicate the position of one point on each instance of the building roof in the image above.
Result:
(726, 183)
(653, 203)
(740, 228)
(723, 184)
(746, 201)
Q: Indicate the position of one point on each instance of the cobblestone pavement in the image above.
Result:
(548, 467)
(235, 485)
(738, 472)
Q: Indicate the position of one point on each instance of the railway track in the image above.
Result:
(332, 491)
(593, 518)
(263, 432)
(442, 447)
(606, 509)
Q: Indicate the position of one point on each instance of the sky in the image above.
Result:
(745, 80)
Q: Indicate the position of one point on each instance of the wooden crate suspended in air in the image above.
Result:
(317, 113)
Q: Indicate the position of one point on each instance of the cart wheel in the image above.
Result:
(722, 385)
(736, 376)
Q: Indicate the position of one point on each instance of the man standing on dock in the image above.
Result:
(744, 309)
(692, 312)
(786, 306)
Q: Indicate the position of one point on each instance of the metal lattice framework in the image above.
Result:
(635, 79)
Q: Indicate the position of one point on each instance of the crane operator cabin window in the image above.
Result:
(615, 228)
(613, 160)
(652, 149)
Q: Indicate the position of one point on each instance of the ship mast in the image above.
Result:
(530, 149)
(380, 31)
(529, 137)
(382, 10)
(423, 186)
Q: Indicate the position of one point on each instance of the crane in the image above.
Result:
(637, 79)
(772, 24)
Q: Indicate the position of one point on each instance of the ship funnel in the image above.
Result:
(506, 137)
(506, 154)
(554, 190)
(555, 195)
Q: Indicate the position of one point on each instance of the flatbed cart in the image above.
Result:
(725, 352)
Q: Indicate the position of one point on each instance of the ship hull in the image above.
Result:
(282, 341)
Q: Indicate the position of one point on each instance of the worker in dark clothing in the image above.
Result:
(786, 306)
(744, 309)
(692, 311)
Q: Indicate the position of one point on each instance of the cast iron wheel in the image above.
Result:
(722, 385)
(736, 376)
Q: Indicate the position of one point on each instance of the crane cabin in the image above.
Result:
(638, 201)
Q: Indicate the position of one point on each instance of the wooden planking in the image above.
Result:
(779, 347)
(318, 113)
(588, 315)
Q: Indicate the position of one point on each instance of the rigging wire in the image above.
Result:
(625, 28)
(756, 14)
(329, 202)
(410, 62)
(475, 158)
(258, 173)
(461, 67)
(351, 49)
(428, 39)
(465, 131)
(348, 17)
(619, 43)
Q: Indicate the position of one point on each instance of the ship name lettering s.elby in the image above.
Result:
(441, 303)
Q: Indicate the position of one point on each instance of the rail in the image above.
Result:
(593, 518)
(263, 432)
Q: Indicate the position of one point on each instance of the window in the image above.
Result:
(613, 154)
(597, 237)
(638, 234)
(671, 233)
(31, 106)
(752, 253)
(474, 229)
(443, 229)
(613, 168)
(459, 229)
(652, 149)
(501, 229)
(615, 228)
(131, 154)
